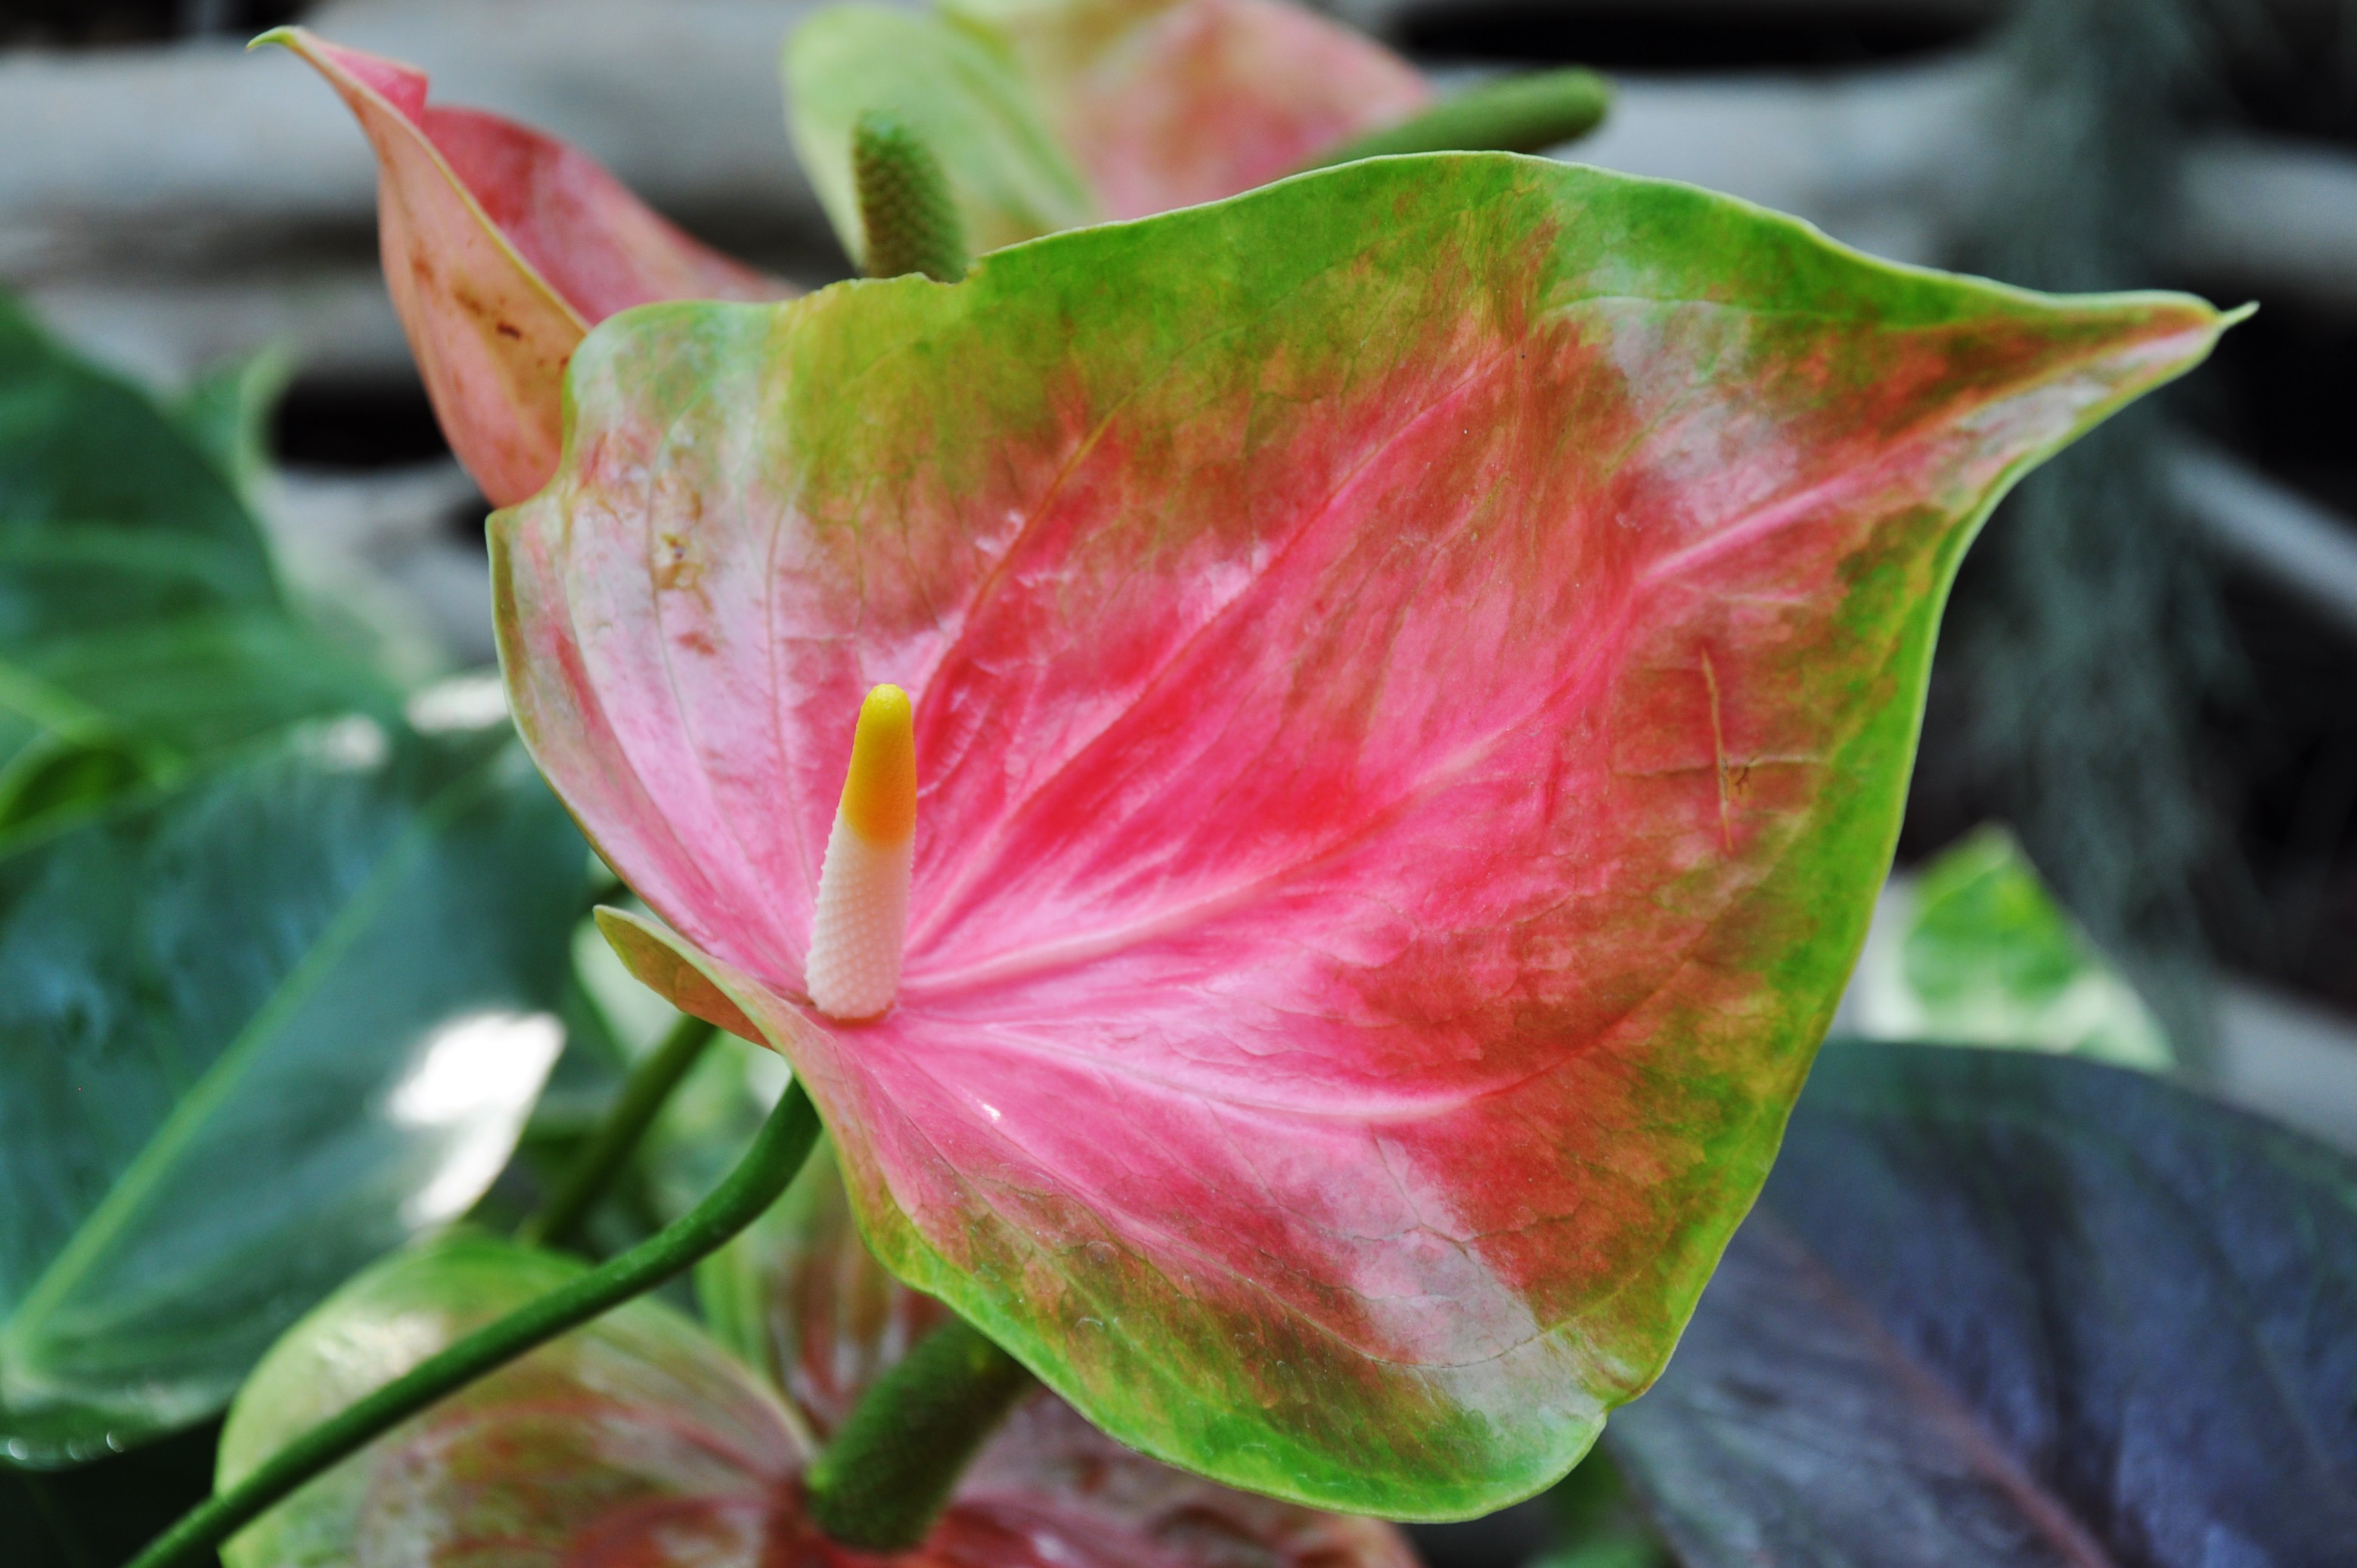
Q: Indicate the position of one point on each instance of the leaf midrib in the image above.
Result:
(1928, 1390)
(128, 1192)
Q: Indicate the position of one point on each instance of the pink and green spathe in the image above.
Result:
(502, 247)
(1415, 672)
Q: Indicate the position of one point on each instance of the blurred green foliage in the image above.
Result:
(1981, 954)
(280, 969)
(142, 626)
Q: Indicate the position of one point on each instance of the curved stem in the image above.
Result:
(890, 1471)
(1518, 114)
(778, 1151)
(593, 1170)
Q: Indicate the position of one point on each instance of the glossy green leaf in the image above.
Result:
(963, 96)
(1975, 951)
(79, 445)
(636, 1443)
(140, 627)
(164, 692)
(256, 1031)
(1410, 719)
(1999, 1310)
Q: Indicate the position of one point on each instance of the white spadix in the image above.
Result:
(862, 919)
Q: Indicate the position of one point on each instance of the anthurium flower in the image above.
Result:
(502, 246)
(1051, 113)
(1414, 672)
(637, 1441)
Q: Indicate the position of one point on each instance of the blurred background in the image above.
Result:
(2150, 672)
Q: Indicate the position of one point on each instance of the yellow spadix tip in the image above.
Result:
(879, 791)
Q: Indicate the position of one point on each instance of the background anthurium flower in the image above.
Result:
(1170, 103)
(1415, 671)
(638, 1442)
(502, 247)
(1051, 113)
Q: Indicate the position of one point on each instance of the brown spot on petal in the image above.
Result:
(674, 570)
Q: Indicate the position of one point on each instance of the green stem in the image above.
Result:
(886, 1475)
(593, 1170)
(1519, 114)
(778, 1151)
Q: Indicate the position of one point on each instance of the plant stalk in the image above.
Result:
(1519, 114)
(593, 1170)
(890, 1471)
(777, 1152)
